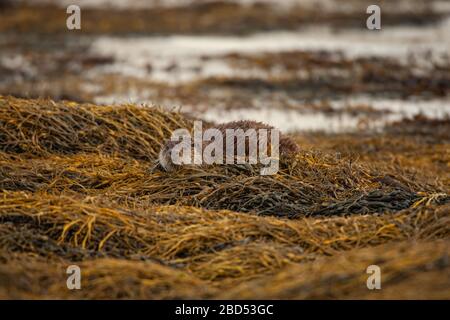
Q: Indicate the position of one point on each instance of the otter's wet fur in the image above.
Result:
(287, 146)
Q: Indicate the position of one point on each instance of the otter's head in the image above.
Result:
(170, 160)
(165, 156)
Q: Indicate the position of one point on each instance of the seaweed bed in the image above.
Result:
(78, 186)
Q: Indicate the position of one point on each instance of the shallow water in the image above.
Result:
(143, 65)
(185, 53)
(292, 120)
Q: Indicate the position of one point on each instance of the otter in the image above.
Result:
(287, 146)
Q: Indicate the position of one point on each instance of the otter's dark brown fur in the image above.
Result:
(287, 145)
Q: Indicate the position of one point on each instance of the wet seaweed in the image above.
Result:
(78, 185)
